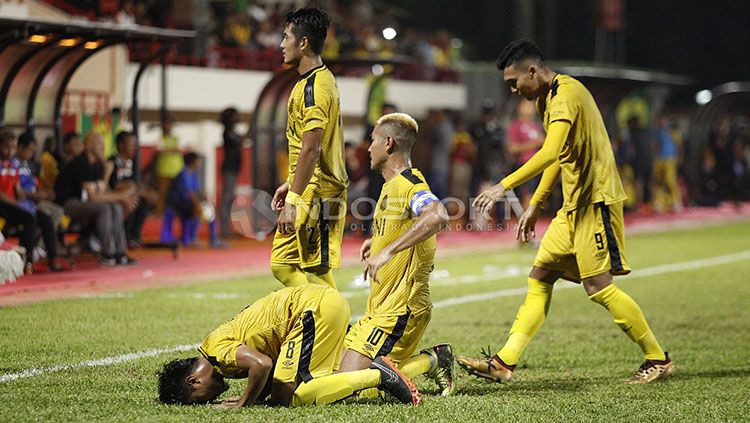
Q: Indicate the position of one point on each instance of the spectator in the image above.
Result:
(463, 154)
(49, 165)
(186, 197)
(230, 167)
(10, 210)
(72, 147)
(489, 136)
(667, 195)
(36, 200)
(722, 143)
(642, 162)
(123, 179)
(441, 135)
(82, 192)
(169, 162)
(525, 136)
(356, 169)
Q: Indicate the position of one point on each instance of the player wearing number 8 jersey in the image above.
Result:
(399, 259)
(287, 345)
(584, 242)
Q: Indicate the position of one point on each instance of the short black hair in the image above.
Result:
(6, 135)
(312, 23)
(122, 136)
(226, 115)
(25, 139)
(518, 51)
(70, 136)
(173, 389)
(191, 158)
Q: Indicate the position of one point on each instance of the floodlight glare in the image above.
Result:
(703, 97)
(377, 70)
(389, 33)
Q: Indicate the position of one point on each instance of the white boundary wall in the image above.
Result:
(211, 90)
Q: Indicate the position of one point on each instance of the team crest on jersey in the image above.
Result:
(384, 202)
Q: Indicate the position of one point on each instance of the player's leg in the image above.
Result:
(285, 260)
(318, 383)
(288, 274)
(321, 276)
(320, 247)
(601, 229)
(382, 374)
(554, 259)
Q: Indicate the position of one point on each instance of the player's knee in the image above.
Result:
(288, 275)
(321, 276)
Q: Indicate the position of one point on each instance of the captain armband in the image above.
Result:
(421, 199)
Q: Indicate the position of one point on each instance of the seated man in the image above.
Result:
(81, 190)
(123, 178)
(399, 259)
(10, 209)
(287, 344)
(37, 199)
(186, 197)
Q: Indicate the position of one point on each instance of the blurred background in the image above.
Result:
(671, 80)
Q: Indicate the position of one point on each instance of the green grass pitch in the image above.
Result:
(572, 371)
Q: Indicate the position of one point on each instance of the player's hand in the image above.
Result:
(227, 404)
(487, 198)
(375, 263)
(287, 219)
(364, 250)
(279, 196)
(526, 223)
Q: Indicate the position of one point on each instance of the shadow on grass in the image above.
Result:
(711, 374)
(482, 387)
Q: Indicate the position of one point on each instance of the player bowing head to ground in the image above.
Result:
(312, 202)
(288, 345)
(399, 259)
(584, 242)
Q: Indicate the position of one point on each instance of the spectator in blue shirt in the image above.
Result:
(186, 197)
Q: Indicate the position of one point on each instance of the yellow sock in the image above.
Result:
(629, 317)
(416, 365)
(528, 321)
(322, 278)
(289, 275)
(331, 388)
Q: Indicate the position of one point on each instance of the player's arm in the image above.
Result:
(306, 162)
(308, 158)
(258, 366)
(527, 221)
(432, 219)
(547, 155)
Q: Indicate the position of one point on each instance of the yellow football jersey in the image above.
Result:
(403, 281)
(262, 326)
(314, 103)
(589, 173)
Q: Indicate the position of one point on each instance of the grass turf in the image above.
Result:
(573, 370)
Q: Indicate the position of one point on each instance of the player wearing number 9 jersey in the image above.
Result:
(584, 242)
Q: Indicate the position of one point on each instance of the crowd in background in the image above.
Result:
(105, 201)
(236, 26)
(462, 158)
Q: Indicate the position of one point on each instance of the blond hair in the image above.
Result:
(401, 127)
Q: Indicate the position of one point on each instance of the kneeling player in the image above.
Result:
(287, 344)
(399, 260)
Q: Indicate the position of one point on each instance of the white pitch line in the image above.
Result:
(36, 371)
(649, 271)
